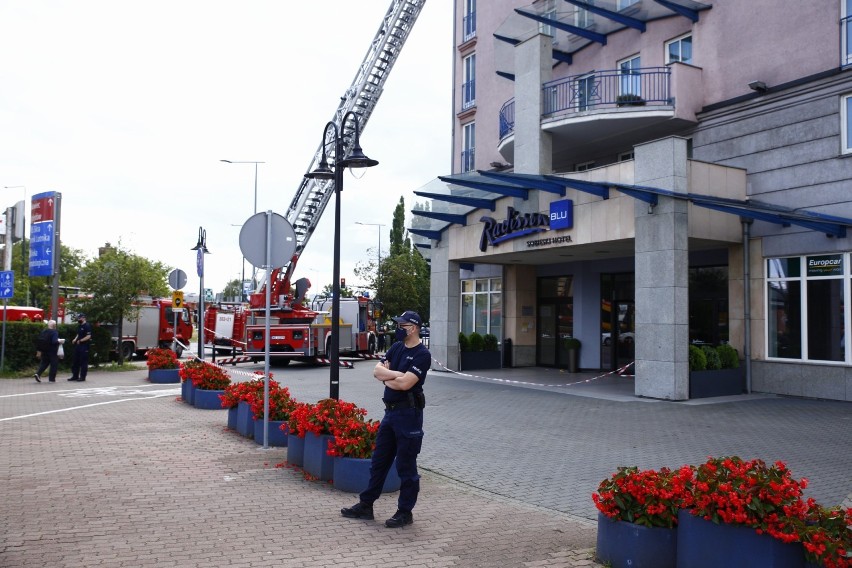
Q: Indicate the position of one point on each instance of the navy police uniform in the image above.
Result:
(400, 434)
(80, 367)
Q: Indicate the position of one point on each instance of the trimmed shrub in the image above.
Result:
(464, 344)
(729, 356)
(697, 359)
(477, 342)
(490, 342)
(713, 360)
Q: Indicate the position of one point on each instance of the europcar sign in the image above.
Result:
(517, 224)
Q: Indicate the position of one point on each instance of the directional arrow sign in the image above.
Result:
(7, 284)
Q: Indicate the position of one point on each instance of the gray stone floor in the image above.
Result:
(118, 472)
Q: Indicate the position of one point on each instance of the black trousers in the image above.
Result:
(48, 359)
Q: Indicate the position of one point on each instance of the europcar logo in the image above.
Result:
(562, 214)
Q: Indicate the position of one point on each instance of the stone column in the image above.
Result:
(444, 300)
(519, 315)
(662, 273)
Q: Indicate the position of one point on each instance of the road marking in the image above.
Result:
(160, 394)
(60, 392)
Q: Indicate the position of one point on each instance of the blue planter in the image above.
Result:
(704, 544)
(163, 376)
(245, 420)
(207, 399)
(622, 545)
(317, 461)
(232, 418)
(295, 450)
(277, 436)
(187, 392)
(353, 474)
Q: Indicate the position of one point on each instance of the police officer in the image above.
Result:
(403, 372)
(82, 341)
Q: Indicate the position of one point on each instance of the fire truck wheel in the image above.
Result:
(127, 350)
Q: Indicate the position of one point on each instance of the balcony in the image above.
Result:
(590, 112)
(469, 24)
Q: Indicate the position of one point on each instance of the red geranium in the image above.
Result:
(204, 376)
(354, 438)
(645, 497)
(161, 359)
(827, 536)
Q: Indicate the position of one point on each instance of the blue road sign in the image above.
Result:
(41, 248)
(7, 284)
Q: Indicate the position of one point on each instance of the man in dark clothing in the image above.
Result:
(82, 341)
(403, 371)
(48, 346)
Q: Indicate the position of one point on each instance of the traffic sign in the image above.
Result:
(44, 214)
(208, 294)
(7, 284)
(253, 241)
(177, 279)
(177, 300)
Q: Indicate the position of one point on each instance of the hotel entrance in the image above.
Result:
(555, 320)
(618, 321)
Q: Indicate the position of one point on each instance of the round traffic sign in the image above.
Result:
(282, 243)
(177, 279)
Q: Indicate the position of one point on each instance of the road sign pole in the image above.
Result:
(3, 348)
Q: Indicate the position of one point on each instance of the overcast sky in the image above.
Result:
(127, 108)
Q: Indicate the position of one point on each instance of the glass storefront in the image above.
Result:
(555, 320)
(482, 306)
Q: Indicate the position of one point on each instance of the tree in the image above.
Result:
(345, 291)
(115, 280)
(397, 235)
(70, 262)
(233, 290)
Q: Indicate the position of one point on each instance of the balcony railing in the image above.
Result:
(507, 118)
(607, 89)
(469, 24)
(467, 160)
(468, 94)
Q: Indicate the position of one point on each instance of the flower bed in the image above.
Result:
(161, 359)
(205, 376)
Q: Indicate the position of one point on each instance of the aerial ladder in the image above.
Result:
(312, 196)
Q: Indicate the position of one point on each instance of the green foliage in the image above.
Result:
(729, 357)
(713, 360)
(477, 342)
(464, 343)
(697, 359)
(21, 345)
(570, 343)
(232, 289)
(70, 261)
(328, 292)
(490, 342)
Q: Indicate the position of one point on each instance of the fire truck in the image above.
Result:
(296, 330)
(21, 313)
(155, 327)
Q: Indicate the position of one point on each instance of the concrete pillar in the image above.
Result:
(444, 300)
(519, 314)
(662, 273)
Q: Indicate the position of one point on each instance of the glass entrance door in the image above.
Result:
(555, 320)
(618, 323)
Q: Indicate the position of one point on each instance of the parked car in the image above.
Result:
(624, 337)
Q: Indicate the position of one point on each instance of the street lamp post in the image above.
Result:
(253, 271)
(201, 249)
(355, 159)
(379, 253)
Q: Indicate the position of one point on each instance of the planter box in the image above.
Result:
(277, 436)
(470, 360)
(232, 418)
(295, 450)
(626, 545)
(720, 382)
(704, 544)
(164, 376)
(317, 462)
(245, 420)
(207, 399)
(353, 475)
(187, 392)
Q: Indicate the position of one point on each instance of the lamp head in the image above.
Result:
(202, 241)
(322, 171)
(357, 159)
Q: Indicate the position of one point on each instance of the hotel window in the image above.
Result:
(583, 18)
(547, 10)
(629, 80)
(846, 32)
(622, 4)
(469, 85)
(846, 124)
(469, 146)
(680, 49)
(582, 167)
(469, 19)
(625, 156)
(584, 92)
(807, 307)
(482, 306)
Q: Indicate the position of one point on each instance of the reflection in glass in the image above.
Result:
(784, 319)
(825, 320)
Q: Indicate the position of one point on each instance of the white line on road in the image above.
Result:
(171, 393)
(60, 392)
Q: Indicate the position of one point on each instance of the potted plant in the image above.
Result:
(572, 346)
(826, 536)
(317, 423)
(280, 406)
(162, 366)
(208, 383)
(352, 449)
(479, 351)
(629, 99)
(714, 371)
(296, 433)
(638, 514)
(743, 512)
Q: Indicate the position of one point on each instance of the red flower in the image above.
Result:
(161, 359)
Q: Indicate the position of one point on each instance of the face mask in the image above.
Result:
(400, 334)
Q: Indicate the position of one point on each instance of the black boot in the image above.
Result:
(358, 511)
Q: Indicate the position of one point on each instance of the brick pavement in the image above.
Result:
(507, 473)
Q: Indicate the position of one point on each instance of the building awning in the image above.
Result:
(484, 188)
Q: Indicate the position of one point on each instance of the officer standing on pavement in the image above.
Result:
(403, 371)
(82, 341)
